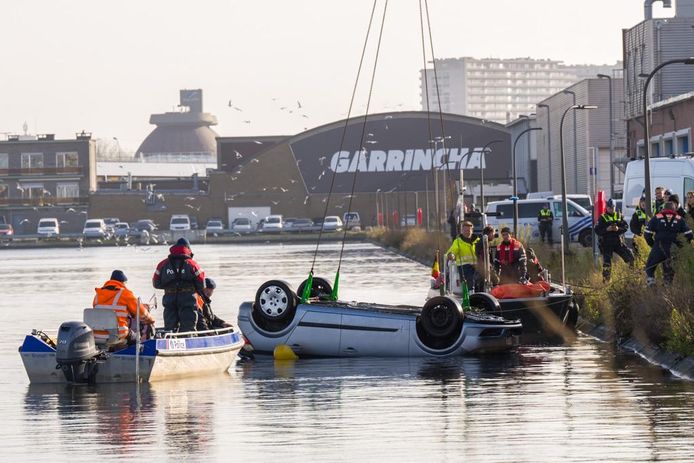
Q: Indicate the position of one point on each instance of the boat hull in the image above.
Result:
(339, 329)
(160, 359)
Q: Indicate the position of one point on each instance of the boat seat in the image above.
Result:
(105, 322)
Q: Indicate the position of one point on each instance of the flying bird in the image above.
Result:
(71, 210)
(284, 190)
(246, 122)
(24, 221)
(238, 155)
(257, 142)
(298, 104)
(254, 160)
(305, 199)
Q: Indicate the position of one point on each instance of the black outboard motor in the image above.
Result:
(77, 354)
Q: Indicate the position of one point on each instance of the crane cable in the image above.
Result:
(361, 150)
(309, 282)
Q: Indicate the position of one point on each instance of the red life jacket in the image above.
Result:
(506, 253)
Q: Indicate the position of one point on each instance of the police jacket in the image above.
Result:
(179, 272)
(545, 215)
(638, 221)
(610, 238)
(664, 228)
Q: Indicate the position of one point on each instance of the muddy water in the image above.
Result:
(581, 402)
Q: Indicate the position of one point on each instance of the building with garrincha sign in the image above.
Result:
(392, 163)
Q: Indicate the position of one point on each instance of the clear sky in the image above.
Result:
(105, 66)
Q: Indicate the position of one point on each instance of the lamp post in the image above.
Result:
(564, 207)
(482, 166)
(515, 179)
(647, 131)
(549, 143)
(609, 80)
(573, 102)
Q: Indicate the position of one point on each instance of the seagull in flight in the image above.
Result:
(298, 104)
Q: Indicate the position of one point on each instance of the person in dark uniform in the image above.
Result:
(182, 279)
(207, 319)
(637, 222)
(610, 228)
(661, 233)
(545, 219)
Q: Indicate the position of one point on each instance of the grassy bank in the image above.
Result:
(661, 315)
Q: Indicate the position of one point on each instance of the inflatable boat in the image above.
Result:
(73, 356)
(321, 327)
(547, 311)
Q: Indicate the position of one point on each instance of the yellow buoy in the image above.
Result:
(284, 352)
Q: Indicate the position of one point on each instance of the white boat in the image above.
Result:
(73, 356)
(325, 328)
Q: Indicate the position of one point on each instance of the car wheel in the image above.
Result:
(275, 300)
(441, 316)
(586, 238)
(485, 302)
(320, 288)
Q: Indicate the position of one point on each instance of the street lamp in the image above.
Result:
(564, 207)
(573, 95)
(609, 80)
(549, 143)
(515, 179)
(647, 131)
(482, 166)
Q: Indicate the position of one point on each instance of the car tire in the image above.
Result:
(275, 300)
(320, 288)
(485, 302)
(585, 238)
(441, 316)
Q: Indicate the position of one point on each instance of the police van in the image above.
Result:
(674, 174)
(500, 213)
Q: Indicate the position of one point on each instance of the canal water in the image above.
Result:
(582, 402)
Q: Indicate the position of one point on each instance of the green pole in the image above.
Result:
(306, 294)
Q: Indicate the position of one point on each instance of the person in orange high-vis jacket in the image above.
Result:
(113, 295)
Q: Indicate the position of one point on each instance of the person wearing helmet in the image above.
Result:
(610, 229)
(181, 278)
(207, 320)
(661, 233)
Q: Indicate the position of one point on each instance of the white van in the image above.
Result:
(273, 223)
(580, 220)
(179, 222)
(95, 228)
(675, 174)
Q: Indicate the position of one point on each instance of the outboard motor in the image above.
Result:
(77, 354)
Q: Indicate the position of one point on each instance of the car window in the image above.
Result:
(179, 221)
(528, 210)
(92, 225)
(47, 223)
(273, 220)
(506, 210)
(573, 212)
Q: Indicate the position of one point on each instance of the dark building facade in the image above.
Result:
(43, 177)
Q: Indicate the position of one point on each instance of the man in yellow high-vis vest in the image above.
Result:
(463, 250)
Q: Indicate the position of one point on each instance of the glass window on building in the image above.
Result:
(4, 162)
(68, 190)
(669, 145)
(31, 190)
(32, 160)
(63, 160)
(683, 144)
(4, 190)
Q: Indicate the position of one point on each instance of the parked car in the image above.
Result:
(179, 222)
(302, 225)
(352, 221)
(241, 225)
(332, 223)
(111, 223)
(48, 227)
(273, 224)
(259, 226)
(6, 232)
(95, 228)
(193, 223)
(121, 230)
(287, 224)
(142, 225)
(214, 226)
